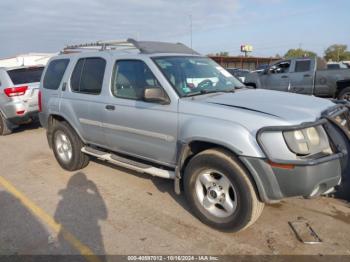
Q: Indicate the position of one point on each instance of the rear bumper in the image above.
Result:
(275, 184)
(18, 112)
(18, 120)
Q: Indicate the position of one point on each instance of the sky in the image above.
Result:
(270, 26)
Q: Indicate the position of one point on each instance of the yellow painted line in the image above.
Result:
(46, 218)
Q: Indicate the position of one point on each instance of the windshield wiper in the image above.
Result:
(208, 91)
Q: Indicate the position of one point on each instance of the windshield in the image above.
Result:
(196, 75)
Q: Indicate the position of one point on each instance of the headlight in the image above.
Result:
(307, 141)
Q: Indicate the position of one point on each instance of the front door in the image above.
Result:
(277, 77)
(133, 126)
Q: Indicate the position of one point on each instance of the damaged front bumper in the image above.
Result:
(277, 179)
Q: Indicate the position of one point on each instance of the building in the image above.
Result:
(250, 63)
(30, 59)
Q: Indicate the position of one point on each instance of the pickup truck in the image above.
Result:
(303, 76)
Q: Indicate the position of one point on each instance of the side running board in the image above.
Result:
(129, 164)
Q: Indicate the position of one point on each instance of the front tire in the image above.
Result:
(67, 145)
(345, 94)
(220, 192)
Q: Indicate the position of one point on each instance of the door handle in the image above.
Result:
(306, 75)
(284, 76)
(110, 107)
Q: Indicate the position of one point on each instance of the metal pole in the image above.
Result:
(191, 28)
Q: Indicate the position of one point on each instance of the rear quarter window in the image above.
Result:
(303, 66)
(25, 75)
(54, 74)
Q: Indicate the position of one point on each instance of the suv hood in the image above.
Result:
(286, 106)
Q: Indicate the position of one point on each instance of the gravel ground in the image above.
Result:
(115, 211)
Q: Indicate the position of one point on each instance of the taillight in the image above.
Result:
(40, 101)
(15, 91)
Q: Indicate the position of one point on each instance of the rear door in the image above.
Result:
(52, 83)
(302, 76)
(82, 102)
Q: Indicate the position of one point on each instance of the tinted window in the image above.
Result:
(302, 66)
(88, 75)
(281, 68)
(25, 75)
(75, 79)
(130, 78)
(54, 74)
(333, 66)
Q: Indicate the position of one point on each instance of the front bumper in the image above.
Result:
(306, 177)
(274, 183)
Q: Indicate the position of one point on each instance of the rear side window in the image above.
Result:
(303, 66)
(54, 74)
(87, 76)
(25, 75)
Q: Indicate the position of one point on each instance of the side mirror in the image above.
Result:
(155, 95)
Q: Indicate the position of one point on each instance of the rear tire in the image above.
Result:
(233, 211)
(345, 94)
(67, 145)
(4, 126)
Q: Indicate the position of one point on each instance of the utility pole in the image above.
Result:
(191, 28)
(338, 55)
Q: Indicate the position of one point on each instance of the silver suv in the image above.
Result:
(19, 88)
(164, 110)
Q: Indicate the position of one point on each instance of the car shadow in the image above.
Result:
(26, 127)
(21, 233)
(79, 212)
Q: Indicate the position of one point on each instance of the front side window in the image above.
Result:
(130, 78)
(54, 74)
(87, 76)
(196, 75)
(281, 67)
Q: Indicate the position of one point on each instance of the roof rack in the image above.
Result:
(145, 47)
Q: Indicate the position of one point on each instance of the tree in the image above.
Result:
(295, 53)
(337, 53)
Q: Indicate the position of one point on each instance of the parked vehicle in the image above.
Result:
(230, 151)
(334, 65)
(19, 87)
(303, 76)
(240, 74)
